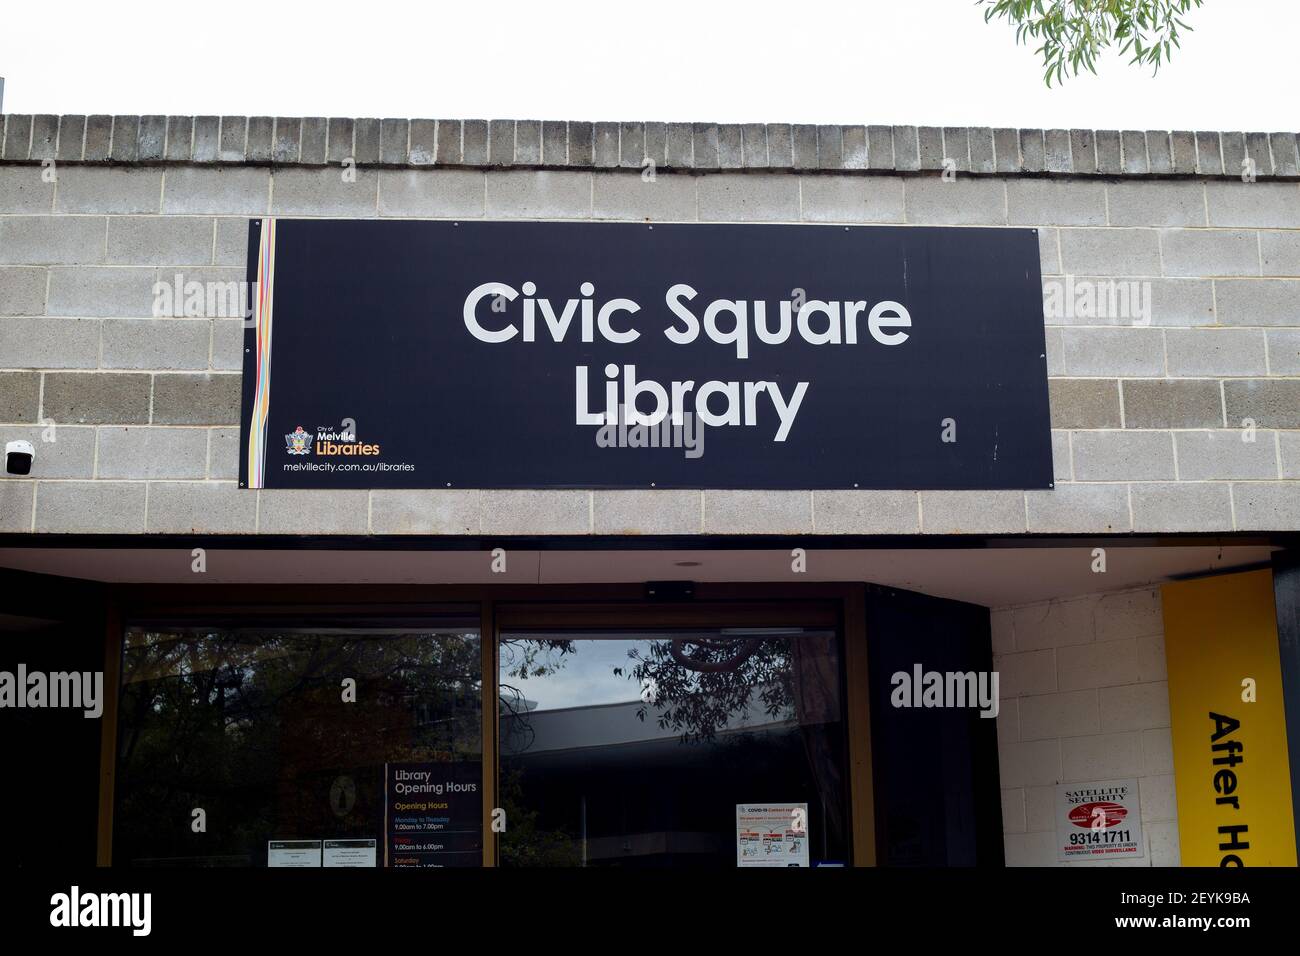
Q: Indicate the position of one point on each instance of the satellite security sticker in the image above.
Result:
(1096, 821)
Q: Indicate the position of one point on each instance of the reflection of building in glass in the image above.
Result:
(657, 784)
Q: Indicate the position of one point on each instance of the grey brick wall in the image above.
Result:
(1085, 696)
(316, 141)
(1183, 415)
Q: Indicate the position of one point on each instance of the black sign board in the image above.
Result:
(419, 354)
(433, 815)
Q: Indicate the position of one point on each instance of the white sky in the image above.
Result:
(925, 62)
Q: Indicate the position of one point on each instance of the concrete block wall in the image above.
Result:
(1184, 421)
(1084, 697)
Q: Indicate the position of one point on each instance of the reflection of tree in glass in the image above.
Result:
(703, 684)
(525, 842)
(522, 659)
(251, 727)
(698, 685)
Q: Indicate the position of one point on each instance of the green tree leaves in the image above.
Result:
(1072, 33)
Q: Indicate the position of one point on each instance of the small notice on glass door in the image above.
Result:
(293, 853)
(772, 834)
(349, 853)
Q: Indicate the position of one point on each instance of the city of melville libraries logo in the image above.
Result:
(298, 441)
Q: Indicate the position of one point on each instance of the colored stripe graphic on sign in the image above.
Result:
(262, 316)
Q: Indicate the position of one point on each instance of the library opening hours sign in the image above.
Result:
(433, 814)
(421, 354)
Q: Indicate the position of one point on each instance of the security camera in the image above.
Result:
(18, 457)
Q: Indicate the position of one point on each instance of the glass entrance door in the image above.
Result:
(696, 747)
(296, 744)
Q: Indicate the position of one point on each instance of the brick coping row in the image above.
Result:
(702, 147)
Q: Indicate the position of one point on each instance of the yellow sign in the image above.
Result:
(1231, 769)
